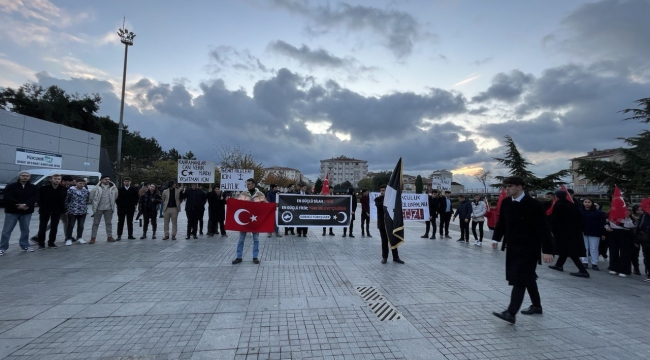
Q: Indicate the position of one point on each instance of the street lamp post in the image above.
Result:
(126, 38)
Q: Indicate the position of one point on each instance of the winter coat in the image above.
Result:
(257, 196)
(177, 198)
(96, 195)
(566, 225)
(128, 199)
(525, 232)
(442, 205)
(16, 193)
(492, 216)
(148, 203)
(464, 210)
(379, 204)
(195, 199)
(271, 196)
(76, 202)
(593, 222)
(478, 210)
(434, 206)
(51, 200)
(217, 206)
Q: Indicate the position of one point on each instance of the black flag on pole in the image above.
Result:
(393, 216)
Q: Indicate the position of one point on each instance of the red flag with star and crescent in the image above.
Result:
(326, 185)
(249, 216)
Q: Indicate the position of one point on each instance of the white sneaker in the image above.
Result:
(68, 242)
(613, 273)
(479, 244)
(81, 241)
(622, 275)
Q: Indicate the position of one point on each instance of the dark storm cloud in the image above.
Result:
(606, 30)
(506, 87)
(399, 29)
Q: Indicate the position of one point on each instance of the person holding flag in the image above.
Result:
(619, 235)
(390, 211)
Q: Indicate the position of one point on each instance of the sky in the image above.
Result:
(439, 83)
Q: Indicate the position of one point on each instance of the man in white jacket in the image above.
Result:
(103, 198)
(478, 212)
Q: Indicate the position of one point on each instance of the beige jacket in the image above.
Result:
(96, 195)
(177, 196)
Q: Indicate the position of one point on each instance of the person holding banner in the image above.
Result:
(381, 226)
(254, 195)
(195, 199)
(270, 197)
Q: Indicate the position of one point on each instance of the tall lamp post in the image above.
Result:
(126, 38)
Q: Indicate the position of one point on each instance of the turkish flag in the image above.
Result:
(249, 216)
(549, 212)
(617, 210)
(326, 185)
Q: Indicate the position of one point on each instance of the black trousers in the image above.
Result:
(464, 229)
(445, 218)
(646, 258)
(302, 231)
(72, 219)
(215, 223)
(480, 229)
(635, 257)
(192, 222)
(44, 217)
(121, 215)
(384, 245)
(287, 229)
(620, 251)
(201, 214)
(431, 224)
(365, 220)
(150, 217)
(576, 260)
(517, 296)
(352, 224)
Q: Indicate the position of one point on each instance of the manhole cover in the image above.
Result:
(381, 307)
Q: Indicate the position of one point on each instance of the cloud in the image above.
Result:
(227, 57)
(399, 29)
(606, 30)
(308, 57)
(506, 87)
(482, 61)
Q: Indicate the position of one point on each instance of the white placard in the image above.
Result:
(235, 179)
(38, 158)
(441, 183)
(195, 171)
(415, 207)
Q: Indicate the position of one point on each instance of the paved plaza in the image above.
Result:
(183, 299)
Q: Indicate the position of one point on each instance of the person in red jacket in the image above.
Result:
(492, 215)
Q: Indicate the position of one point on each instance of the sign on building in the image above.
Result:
(235, 179)
(38, 158)
(195, 171)
(441, 183)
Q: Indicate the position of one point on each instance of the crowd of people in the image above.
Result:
(581, 231)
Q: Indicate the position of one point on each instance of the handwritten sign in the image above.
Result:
(235, 179)
(415, 207)
(195, 171)
(441, 183)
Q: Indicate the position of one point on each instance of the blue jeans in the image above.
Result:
(9, 225)
(256, 244)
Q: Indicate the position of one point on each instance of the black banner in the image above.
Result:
(313, 210)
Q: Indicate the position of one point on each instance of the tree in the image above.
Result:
(171, 154)
(189, 156)
(346, 185)
(365, 184)
(483, 177)
(234, 157)
(418, 185)
(318, 186)
(518, 166)
(379, 179)
(632, 174)
(278, 179)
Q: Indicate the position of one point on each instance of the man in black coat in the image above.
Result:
(20, 198)
(195, 200)
(51, 204)
(434, 205)
(354, 209)
(568, 242)
(217, 212)
(127, 200)
(522, 223)
(445, 210)
(381, 226)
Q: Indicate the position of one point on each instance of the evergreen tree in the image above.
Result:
(418, 185)
(318, 186)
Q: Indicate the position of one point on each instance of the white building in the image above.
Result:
(285, 172)
(342, 169)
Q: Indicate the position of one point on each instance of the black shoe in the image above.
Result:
(383, 261)
(460, 240)
(369, 235)
(293, 233)
(256, 261)
(580, 274)
(187, 237)
(399, 261)
(52, 246)
(236, 261)
(299, 235)
(332, 234)
(34, 239)
(595, 268)
(506, 315)
(558, 268)
(160, 217)
(131, 237)
(352, 235)
(532, 310)
(224, 235)
(433, 237)
(195, 237)
(153, 237)
(42, 247)
(118, 238)
(143, 237)
(200, 232)
(363, 235)
(637, 272)
(425, 236)
(344, 235)
(324, 233)
(446, 236)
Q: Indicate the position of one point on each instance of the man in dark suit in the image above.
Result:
(195, 199)
(445, 212)
(526, 232)
(434, 205)
(127, 200)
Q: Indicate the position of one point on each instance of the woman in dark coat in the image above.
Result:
(566, 225)
(216, 212)
(148, 207)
